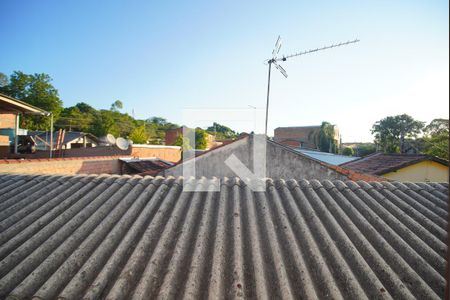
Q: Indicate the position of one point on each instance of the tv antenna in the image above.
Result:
(275, 59)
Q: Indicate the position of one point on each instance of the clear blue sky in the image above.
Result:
(159, 57)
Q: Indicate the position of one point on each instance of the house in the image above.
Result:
(302, 136)
(10, 111)
(402, 167)
(130, 237)
(173, 134)
(71, 140)
(281, 163)
(329, 158)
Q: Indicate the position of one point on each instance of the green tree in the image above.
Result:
(37, 90)
(391, 132)
(85, 108)
(437, 138)
(103, 124)
(156, 128)
(222, 131)
(116, 106)
(326, 138)
(348, 151)
(3, 80)
(139, 135)
(201, 141)
(73, 119)
(365, 149)
(183, 142)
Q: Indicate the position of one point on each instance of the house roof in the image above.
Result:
(69, 136)
(331, 158)
(382, 163)
(208, 156)
(16, 106)
(146, 166)
(112, 236)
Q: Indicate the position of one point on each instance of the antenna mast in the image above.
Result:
(275, 59)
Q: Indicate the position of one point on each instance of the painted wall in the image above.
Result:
(67, 166)
(425, 171)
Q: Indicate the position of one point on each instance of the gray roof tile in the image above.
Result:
(142, 237)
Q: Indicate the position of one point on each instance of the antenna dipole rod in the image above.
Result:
(317, 49)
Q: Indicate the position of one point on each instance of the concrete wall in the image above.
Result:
(68, 166)
(282, 163)
(425, 171)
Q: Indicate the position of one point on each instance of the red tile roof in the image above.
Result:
(382, 163)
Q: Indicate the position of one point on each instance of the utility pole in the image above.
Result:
(51, 134)
(275, 59)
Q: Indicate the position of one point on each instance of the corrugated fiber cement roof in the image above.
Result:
(122, 237)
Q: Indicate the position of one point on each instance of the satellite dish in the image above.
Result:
(107, 140)
(111, 139)
(122, 143)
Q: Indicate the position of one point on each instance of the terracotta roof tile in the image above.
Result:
(382, 163)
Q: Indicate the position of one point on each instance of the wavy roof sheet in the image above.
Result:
(120, 237)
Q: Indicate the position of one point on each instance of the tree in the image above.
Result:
(201, 141)
(437, 138)
(73, 119)
(222, 131)
(157, 121)
(156, 128)
(326, 137)
(103, 124)
(138, 135)
(391, 132)
(85, 108)
(348, 151)
(183, 142)
(116, 105)
(37, 90)
(3, 80)
(365, 149)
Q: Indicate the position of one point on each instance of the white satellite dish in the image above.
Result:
(122, 143)
(107, 140)
(111, 139)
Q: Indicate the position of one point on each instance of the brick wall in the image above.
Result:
(68, 166)
(172, 154)
(172, 134)
(289, 135)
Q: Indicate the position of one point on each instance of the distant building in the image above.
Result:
(402, 167)
(330, 158)
(10, 111)
(302, 136)
(72, 139)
